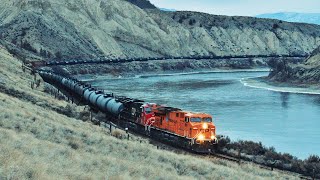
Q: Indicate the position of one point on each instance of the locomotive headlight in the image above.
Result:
(213, 137)
(201, 137)
(205, 126)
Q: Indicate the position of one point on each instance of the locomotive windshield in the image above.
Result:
(198, 119)
(195, 119)
(147, 110)
(207, 119)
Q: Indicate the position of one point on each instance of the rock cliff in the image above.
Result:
(100, 28)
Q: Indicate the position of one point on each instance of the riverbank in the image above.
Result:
(130, 69)
(92, 77)
(265, 83)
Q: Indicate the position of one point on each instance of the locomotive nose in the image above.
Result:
(213, 137)
(201, 137)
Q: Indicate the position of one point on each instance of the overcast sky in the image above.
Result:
(241, 7)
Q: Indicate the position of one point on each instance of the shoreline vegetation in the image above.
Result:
(258, 153)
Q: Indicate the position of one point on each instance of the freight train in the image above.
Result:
(188, 130)
(103, 60)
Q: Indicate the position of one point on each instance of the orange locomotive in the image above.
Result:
(197, 126)
(187, 129)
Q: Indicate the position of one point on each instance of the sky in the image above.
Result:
(241, 7)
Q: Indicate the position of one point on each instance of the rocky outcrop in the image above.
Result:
(307, 72)
(86, 29)
(245, 35)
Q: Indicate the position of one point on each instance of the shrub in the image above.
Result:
(277, 65)
(285, 161)
(118, 134)
(223, 142)
(84, 115)
(68, 111)
(275, 26)
(45, 53)
(58, 55)
(192, 22)
(27, 46)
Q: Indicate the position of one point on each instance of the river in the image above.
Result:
(287, 121)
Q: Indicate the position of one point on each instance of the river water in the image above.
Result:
(289, 122)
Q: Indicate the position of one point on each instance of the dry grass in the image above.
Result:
(39, 143)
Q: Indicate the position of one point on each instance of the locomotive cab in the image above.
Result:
(147, 115)
(202, 128)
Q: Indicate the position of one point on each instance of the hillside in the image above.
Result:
(307, 73)
(312, 18)
(44, 138)
(83, 29)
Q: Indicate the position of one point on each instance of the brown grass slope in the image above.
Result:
(95, 28)
(37, 142)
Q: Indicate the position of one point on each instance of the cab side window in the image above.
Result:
(186, 119)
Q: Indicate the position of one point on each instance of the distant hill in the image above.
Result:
(313, 18)
(165, 9)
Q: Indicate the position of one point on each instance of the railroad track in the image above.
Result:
(104, 60)
(229, 158)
